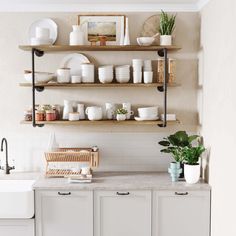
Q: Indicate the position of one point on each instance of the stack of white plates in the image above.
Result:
(105, 74)
(123, 74)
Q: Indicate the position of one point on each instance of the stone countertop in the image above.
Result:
(120, 181)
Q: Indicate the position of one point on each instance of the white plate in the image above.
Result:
(44, 23)
(147, 118)
(74, 61)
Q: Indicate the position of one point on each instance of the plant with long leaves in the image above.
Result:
(167, 23)
(192, 154)
(175, 144)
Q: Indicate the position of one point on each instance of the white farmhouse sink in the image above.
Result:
(16, 199)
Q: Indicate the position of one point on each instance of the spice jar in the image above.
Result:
(50, 115)
(39, 115)
(28, 115)
(57, 110)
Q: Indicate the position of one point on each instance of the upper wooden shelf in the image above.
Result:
(98, 85)
(61, 48)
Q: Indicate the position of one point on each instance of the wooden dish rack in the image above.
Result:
(70, 155)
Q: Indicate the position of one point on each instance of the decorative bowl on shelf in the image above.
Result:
(145, 41)
(40, 77)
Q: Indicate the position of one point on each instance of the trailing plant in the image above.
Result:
(121, 111)
(175, 144)
(167, 23)
(192, 154)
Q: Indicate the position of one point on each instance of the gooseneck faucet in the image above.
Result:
(7, 168)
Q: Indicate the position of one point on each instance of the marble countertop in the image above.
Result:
(120, 181)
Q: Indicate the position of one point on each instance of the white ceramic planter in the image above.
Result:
(121, 117)
(191, 173)
(165, 40)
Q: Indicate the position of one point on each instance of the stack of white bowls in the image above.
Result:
(137, 70)
(147, 72)
(105, 74)
(123, 74)
(148, 113)
(87, 73)
(42, 37)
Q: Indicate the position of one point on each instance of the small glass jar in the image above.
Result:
(28, 115)
(57, 110)
(39, 115)
(50, 115)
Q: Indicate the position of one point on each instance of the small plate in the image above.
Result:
(44, 23)
(147, 118)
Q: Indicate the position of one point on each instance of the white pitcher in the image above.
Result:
(94, 113)
(77, 35)
(68, 107)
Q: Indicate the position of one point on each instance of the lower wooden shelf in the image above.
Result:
(101, 122)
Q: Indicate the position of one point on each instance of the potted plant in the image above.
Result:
(174, 145)
(167, 26)
(191, 163)
(121, 114)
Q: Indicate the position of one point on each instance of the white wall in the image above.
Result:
(218, 37)
(122, 148)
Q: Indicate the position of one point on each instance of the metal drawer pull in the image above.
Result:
(122, 194)
(64, 194)
(181, 194)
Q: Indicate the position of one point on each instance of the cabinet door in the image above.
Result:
(64, 213)
(122, 213)
(181, 213)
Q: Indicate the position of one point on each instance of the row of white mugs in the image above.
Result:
(96, 112)
(106, 73)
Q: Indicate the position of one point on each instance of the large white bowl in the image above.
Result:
(145, 41)
(40, 77)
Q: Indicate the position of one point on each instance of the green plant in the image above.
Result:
(167, 23)
(192, 154)
(121, 111)
(175, 144)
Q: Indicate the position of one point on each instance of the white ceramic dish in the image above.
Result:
(40, 77)
(74, 61)
(44, 23)
(145, 41)
(147, 118)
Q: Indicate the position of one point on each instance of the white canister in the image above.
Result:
(147, 77)
(80, 109)
(127, 107)
(137, 77)
(94, 113)
(68, 108)
(77, 35)
(87, 73)
(73, 116)
(42, 33)
(63, 75)
(76, 79)
(121, 117)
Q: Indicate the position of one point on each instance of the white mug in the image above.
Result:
(63, 75)
(137, 77)
(94, 113)
(80, 109)
(147, 77)
(127, 107)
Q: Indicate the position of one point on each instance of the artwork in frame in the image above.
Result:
(111, 26)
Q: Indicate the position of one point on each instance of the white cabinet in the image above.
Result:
(119, 213)
(64, 213)
(19, 227)
(181, 213)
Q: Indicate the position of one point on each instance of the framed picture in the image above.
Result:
(111, 26)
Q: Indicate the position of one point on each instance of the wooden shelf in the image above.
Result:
(97, 85)
(61, 48)
(101, 122)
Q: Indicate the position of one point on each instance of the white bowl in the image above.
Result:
(148, 111)
(145, 41)
(40, 77)
(105, 80)
(122, 80)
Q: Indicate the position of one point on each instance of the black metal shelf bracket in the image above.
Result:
(163, 53)
(34, 87)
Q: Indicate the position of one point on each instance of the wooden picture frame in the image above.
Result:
(111, 26)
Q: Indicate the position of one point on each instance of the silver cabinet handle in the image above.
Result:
(122, 194)
(64, 194)
(181, 194)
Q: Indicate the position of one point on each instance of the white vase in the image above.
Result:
(77, 35)
(192, 173)
(68, 108)
(127, 39)
(166, 40)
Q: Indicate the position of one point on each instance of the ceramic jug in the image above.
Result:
(77, 35)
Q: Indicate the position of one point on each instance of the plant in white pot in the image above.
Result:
(167, 26)
(192, 167)
(121, 114)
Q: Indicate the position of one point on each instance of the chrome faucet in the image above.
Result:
(7, 168)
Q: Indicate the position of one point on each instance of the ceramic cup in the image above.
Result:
(137, 77)
(75, 79)
(94, 113)
(147, 77)
(63, 75)
(87, 73)
(80, 109)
